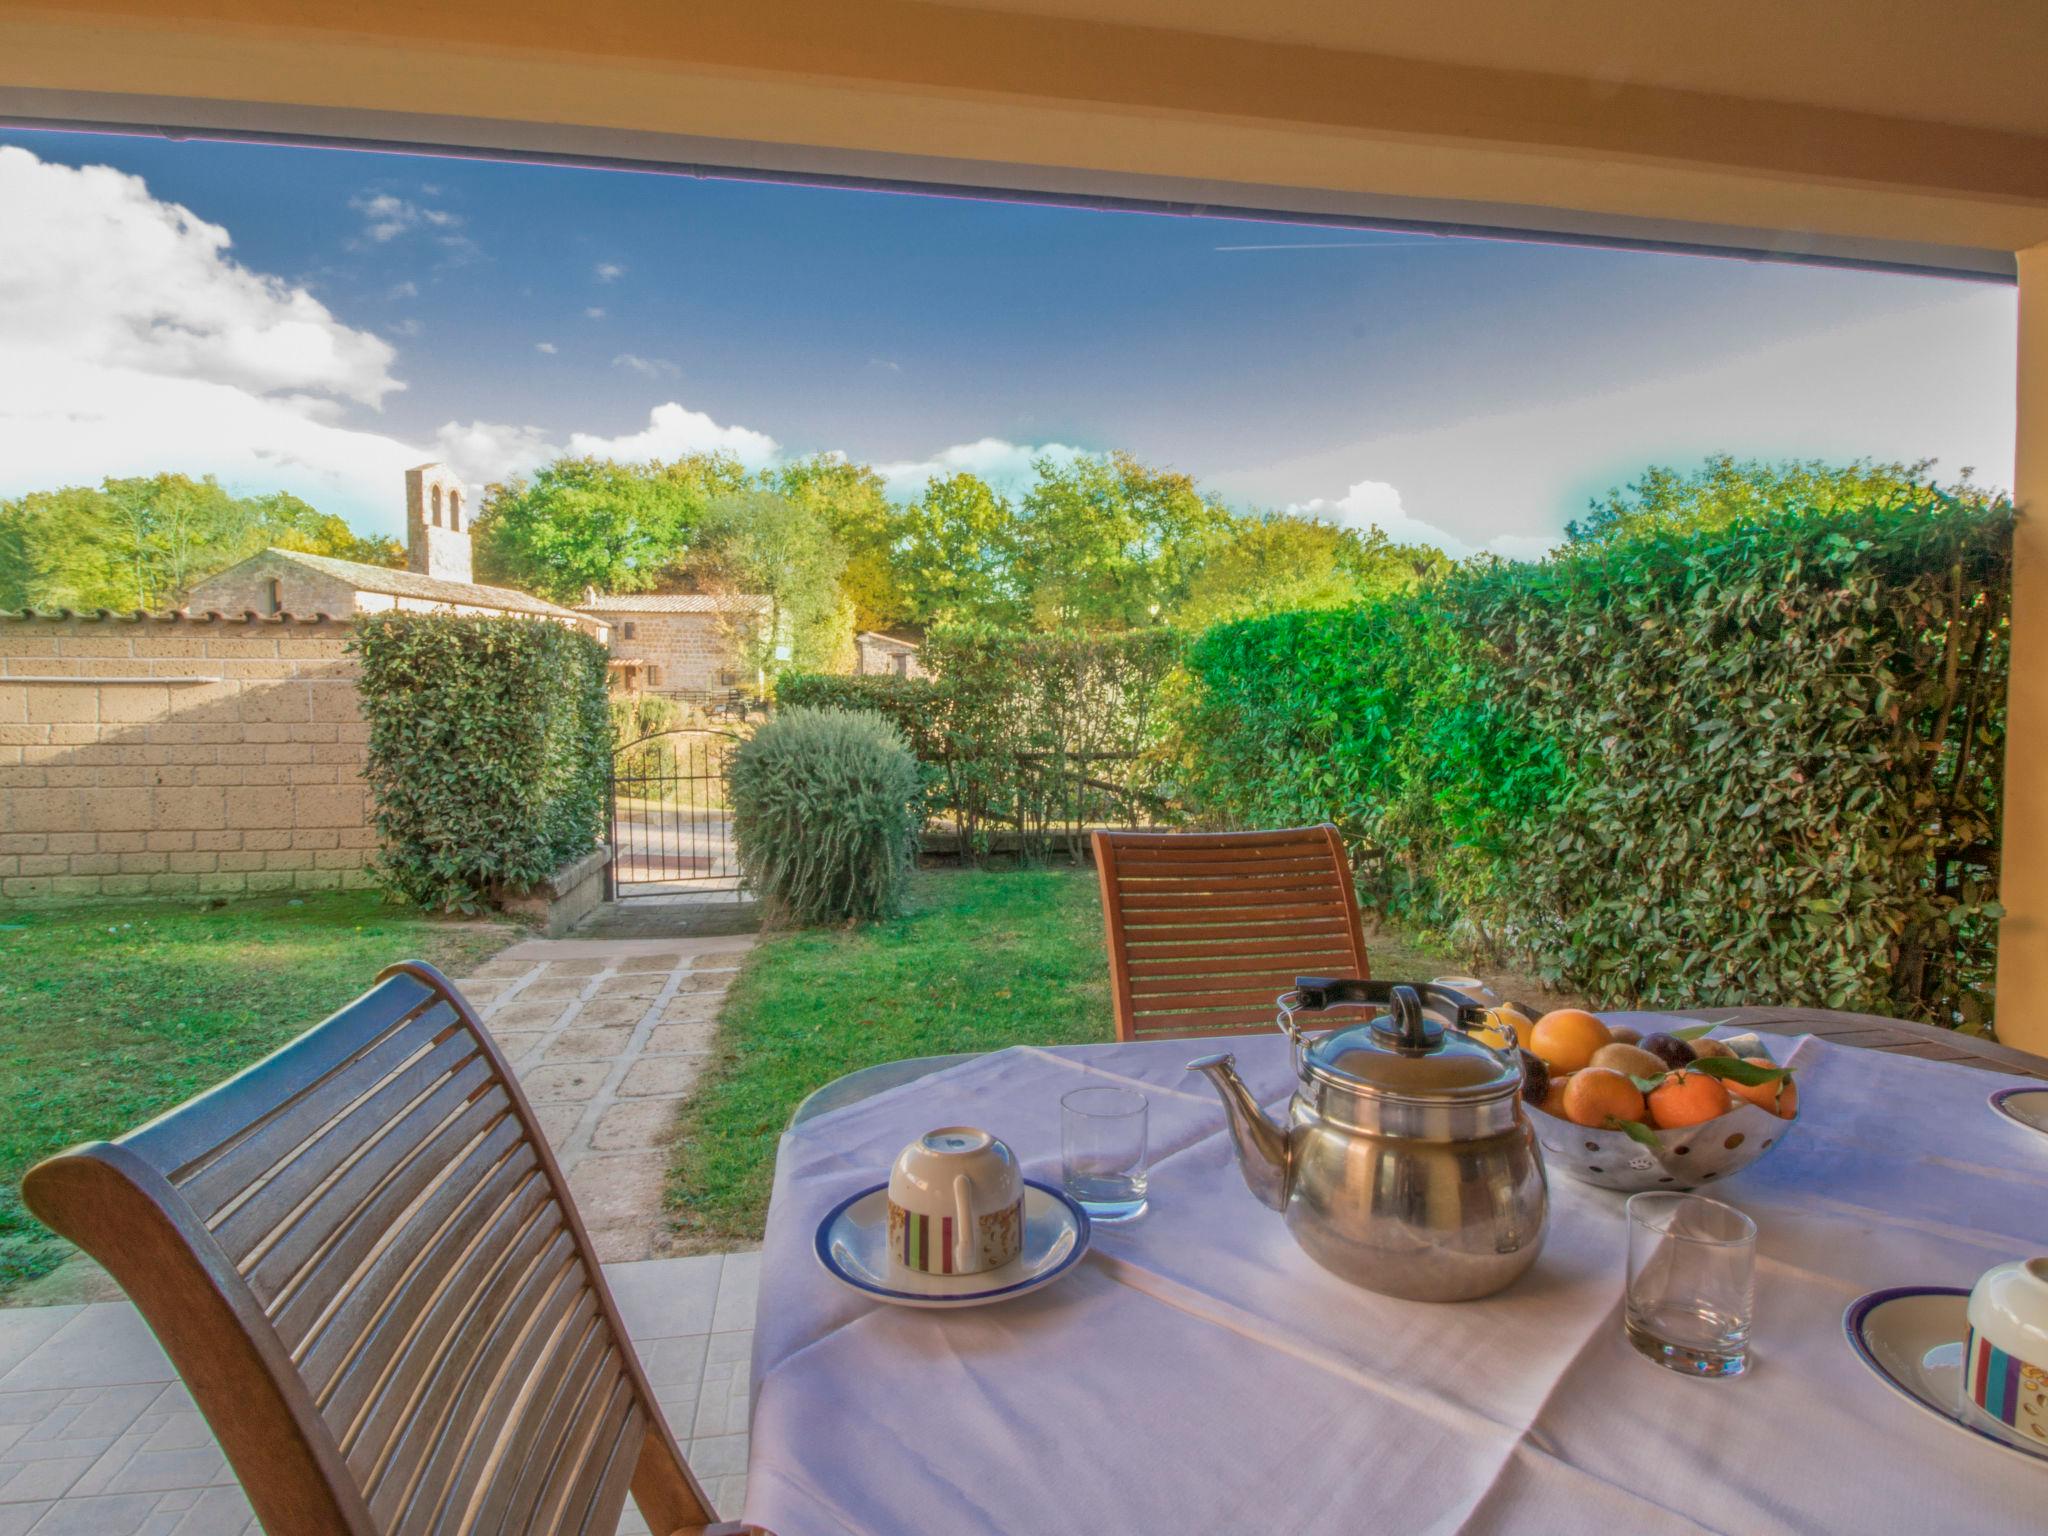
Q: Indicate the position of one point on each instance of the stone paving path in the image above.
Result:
(97, 1437)
(607, 1036)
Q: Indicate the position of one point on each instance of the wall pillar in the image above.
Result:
(2022, 1015)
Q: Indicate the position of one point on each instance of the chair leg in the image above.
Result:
(670, 1499)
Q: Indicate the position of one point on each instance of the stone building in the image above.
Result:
(436, 578)
(880, 655)
(690, 643)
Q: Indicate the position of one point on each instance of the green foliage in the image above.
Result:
(1037, 734)
(585, 522)
(489, 752)
(143, 542)
(856, 511)
(1688, 761)
(824, 815)
(784, 549)
(1723, 492)
(636, 717)
(955, 552)
(1108, 543)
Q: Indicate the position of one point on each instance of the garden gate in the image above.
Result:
(670, 833)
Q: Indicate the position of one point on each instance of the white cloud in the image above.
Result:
(649, 367)
(609, 271)
(404, 290)
(1006, 466)
(482, 451)
(593, 313)
(673, 430)
(405, 327)
(94, 267)
(546, 346)
(1377, 504)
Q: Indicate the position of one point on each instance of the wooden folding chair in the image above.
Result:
(1207, 929)
(364, 1262)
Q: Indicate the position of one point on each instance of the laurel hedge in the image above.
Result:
(1754, 765)
(489, 752)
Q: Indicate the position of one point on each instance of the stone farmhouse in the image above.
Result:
(219, 748)
(693, 644)
(880, 655)
(437, 577)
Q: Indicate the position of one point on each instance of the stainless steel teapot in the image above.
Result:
(1407, 1164)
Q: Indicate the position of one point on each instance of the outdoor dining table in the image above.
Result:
(1198, 1372)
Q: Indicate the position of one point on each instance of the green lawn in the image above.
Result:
(983, 960)
(111, 1014)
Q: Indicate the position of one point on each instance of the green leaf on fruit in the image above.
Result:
(1690, 1032)
(1648, 1084)
(1735, 1069)
(1635, 1130)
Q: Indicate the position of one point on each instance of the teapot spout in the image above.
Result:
(1261, 1145)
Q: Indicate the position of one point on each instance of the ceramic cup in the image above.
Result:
(2005, 1354)
(956, 1203)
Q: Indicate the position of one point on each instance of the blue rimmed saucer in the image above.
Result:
(1912, 1336)
(853, 1245)
(2027, 1104)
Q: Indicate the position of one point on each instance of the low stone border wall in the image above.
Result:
(562, 900)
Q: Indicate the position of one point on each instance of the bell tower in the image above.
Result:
(436, 524)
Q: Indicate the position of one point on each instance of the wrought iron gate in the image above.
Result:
(669, 829)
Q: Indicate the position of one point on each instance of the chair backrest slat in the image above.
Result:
(1205, 930)
(363, 1258)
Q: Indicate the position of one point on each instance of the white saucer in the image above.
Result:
(853, 1245)
(1912, 1336)
(2027, 1104)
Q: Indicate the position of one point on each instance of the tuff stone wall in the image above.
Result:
(179, 756)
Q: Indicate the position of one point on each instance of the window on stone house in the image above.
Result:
(435, 503)
(455, 510)
(273, 596)
(627, 630)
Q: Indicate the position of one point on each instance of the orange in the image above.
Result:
(1781, 1097)
(1596, 1095)
(1687, 1098)
(1553, 1101)
(1566, 1038)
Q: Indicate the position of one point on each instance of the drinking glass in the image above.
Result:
(1691, 1283)
(1102, 1151)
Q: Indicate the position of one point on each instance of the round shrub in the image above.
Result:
(825, 814)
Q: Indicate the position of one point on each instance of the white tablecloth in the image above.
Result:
(1198, 1373)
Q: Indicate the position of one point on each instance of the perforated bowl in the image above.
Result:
(1684, 1159)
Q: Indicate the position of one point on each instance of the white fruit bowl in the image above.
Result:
(1686, 1158)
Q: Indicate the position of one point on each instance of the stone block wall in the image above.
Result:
(695, 652)
(167, 755)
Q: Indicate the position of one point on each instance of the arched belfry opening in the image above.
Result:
(435, 545)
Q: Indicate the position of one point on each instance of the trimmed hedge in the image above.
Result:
(489, 753)
(1042, 734)
(825, 815)
(1754, 765)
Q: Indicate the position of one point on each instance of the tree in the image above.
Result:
(587, 522)
(143, 541)
(1723, 492)
(1267, 562)
(1108, 543)
(955, 556)
(858, 513)
(758, 541)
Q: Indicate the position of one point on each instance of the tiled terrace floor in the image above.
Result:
(97, 1438)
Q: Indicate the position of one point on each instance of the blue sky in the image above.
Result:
(317, 318)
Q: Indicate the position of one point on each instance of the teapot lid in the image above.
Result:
(1402, 1052)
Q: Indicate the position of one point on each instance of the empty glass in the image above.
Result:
(1102, 1151)
(1691, 1283)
